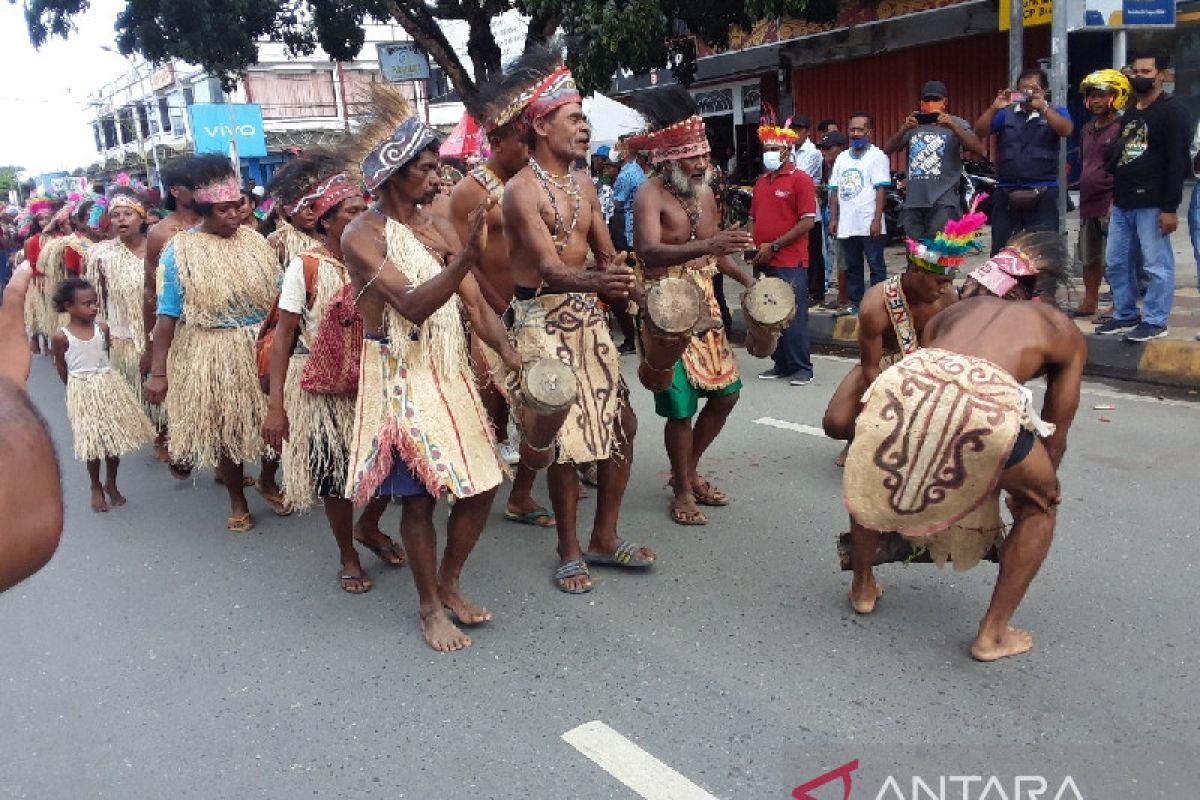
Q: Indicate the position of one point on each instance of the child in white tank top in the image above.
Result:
(106, 419)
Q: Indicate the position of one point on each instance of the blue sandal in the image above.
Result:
(623, 556)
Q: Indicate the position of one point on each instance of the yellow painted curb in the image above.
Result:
(1168, 358)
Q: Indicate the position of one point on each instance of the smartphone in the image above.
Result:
(1018, 97)
(749, 255)
(926, 117)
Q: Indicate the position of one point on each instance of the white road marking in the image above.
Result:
(631, 765)
(771, 422)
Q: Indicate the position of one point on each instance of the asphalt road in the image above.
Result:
(159, 656)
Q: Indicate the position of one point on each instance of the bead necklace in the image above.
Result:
(569, 186)
(693, 211)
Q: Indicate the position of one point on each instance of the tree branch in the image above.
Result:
(419, 23)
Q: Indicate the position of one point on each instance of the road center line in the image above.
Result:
(771, 422)
(631, 765)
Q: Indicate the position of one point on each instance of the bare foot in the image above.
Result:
(1012, 642)
(864, 595)
(99, 504)
(114, 495)
(463, 609)
(840, 461)
(441, 634)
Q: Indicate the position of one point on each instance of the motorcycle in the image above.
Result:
(893, 202)
(978, 177)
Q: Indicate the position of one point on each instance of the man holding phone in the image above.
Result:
(934, 141)
(1027, 130)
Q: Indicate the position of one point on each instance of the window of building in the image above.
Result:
(291, 95)
(164, 114)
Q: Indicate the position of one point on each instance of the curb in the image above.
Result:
(1173, 362)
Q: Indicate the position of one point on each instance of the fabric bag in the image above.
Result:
(336, 353)
(266, 334)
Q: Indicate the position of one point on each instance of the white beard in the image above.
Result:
(682, 184)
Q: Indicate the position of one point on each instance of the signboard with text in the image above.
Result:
(1037, 12)
(403, 61)
(1109, 14)
(215, 125)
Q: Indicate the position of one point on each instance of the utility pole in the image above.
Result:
(1058, 94)
(1016, 41)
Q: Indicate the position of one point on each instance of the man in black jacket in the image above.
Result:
(1149, 162)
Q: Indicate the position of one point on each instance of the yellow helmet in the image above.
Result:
(1108, 80)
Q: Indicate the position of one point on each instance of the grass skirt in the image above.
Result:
(319, 429)
(106, 419)
(214, 400)
(125, 359)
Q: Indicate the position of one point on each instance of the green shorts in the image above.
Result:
(681, 400)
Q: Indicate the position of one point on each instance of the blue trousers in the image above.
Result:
(1131, 231)
(793, 353)
(854, 249)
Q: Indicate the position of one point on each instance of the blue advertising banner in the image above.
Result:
(215, 125)
(1148, 12)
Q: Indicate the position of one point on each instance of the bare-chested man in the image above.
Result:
(947, 428)
(676, 233)
(180, 184)
(552, 219)
(510, 154)
(420, 428)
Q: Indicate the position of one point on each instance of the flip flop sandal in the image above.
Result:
(710, 496)
(242, 523)
(624, 556)
(363, 581)
(531, 518)
(590, 474)
(569, 569)
(383, 552)
(276, 500)
(1075, 313)
(179, 472)
(681, 517)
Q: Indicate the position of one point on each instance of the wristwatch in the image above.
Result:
(775, 247)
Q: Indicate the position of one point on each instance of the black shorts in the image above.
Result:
(1021, 448)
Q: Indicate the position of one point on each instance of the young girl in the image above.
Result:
(105, 418)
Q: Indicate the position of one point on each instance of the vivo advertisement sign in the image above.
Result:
(217, 124)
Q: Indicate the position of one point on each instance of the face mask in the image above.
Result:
(605, 180)
(933, 106)
(1141, 84)
(772, 160)
(859, 142)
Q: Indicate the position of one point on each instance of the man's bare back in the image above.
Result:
(497, 284)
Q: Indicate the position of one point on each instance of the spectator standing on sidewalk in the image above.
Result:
(1027, 130)
(934, 141)
(782, 212)
(1105, 93)
(832, 145)
(1151, 160)
(808, 159)
(861, 176)
(629, 179)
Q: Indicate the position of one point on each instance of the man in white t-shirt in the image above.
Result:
(861, 176)
(808, 160)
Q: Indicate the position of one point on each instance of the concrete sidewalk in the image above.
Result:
(1174, 360)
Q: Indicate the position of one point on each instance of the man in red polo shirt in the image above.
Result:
(783, 211)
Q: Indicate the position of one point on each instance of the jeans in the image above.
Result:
(854, 248)
(1193, 221)
(830, 248)
(793, 354)
(1007, 222)
(1132, 231)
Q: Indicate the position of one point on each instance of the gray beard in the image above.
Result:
(682, 184)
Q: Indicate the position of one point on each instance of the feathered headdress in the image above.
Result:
(770, 132)
(945, 252)
(40, 204)
(1028, 254)
(675, 129)
(533, 85)
(389, 137)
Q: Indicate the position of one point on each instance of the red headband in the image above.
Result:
(331, 191)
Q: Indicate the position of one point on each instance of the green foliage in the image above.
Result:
(8, 179)
(604, 35)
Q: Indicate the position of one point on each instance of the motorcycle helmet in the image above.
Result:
(1108, 80)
